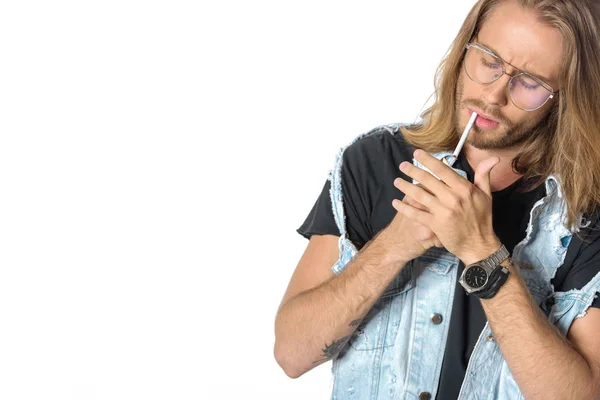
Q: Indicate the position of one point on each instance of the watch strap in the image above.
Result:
(498, 278)
(496, 258)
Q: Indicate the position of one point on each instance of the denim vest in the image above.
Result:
(397, 351)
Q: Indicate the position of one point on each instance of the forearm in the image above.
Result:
(543, 362)
(312, 327)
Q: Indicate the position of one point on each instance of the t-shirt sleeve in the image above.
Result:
(320, 220)
(358, 166)
(586, 264)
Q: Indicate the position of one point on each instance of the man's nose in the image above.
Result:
(496, 93)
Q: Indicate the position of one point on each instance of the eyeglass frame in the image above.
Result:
(520, 72)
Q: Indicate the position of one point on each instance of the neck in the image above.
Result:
(502, 175)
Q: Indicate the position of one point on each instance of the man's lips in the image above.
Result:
(480, 114)
(483, 121)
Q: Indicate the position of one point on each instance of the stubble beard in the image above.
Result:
(513, 135)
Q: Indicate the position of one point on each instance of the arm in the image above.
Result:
(545, 364)
(320, 311)
(314, 325)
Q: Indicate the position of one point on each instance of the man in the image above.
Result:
(479, 281)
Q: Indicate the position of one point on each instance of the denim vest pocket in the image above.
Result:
(436, 260)
(379, 326)
(401, 283)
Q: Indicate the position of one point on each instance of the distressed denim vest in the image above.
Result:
(397, 351)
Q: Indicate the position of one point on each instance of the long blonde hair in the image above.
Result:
(567, 142)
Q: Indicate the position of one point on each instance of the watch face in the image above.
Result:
(476, 277)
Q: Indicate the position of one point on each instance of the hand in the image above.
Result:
(460, 213)
(419, 231)
(410, 237)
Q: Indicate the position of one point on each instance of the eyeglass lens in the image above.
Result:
(525, 92)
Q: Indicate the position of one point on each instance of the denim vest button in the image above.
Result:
(436, 319)
(489, 338)
(425, 396)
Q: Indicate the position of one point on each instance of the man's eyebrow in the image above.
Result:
(541, 78)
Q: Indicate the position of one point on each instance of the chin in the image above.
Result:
(487, 143)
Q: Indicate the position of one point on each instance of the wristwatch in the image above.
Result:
(485, 278)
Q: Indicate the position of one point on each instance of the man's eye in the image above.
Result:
(527, 84)
(489, 64)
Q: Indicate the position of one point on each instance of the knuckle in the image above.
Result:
(468, 191)
(453, 201)
(448, 213)
(465, 191)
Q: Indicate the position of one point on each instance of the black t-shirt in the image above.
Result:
(369, 168)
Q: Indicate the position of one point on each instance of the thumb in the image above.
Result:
(482, 174)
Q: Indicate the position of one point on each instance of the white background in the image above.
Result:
(156, 159)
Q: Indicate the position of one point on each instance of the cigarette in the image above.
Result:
(462, 140)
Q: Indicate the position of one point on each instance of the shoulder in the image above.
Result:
(582, 261)
(384, 142)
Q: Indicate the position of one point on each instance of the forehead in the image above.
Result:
(521, 39)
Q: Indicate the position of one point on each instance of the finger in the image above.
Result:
(482, 174)
(444, 172)
(425, 179)
(423, 187)
(412, 202)
(412, 213)
(417, 193)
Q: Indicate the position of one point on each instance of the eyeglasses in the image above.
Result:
(526, 91)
